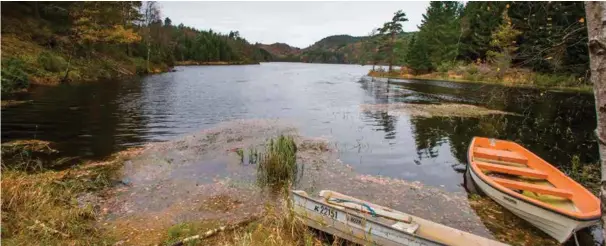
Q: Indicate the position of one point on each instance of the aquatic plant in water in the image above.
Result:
(277, 165)
(253, 156)
(240, 153)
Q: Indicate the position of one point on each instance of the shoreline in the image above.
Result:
(122, 208)
(581, 89)
(215, 63)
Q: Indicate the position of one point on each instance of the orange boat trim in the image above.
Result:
(534, 188)
(526, 172)
(587, 204)
(500, 155)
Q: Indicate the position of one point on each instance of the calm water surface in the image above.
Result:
(95, 120)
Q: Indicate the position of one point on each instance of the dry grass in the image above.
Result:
(42, 208)
(278, 226)
(12, 103)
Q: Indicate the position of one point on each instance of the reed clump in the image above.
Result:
(278, 163)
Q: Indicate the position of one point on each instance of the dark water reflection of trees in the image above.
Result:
(554, 125)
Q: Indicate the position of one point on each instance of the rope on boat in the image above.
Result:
(338, 200)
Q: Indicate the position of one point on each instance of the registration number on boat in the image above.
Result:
(326, 211)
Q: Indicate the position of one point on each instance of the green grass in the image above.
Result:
(277, 165)
(14, 75)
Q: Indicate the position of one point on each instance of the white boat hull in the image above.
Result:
(353, 226)
(554, 224)
(386, 227)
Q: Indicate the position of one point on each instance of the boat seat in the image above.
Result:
(500, 155)
(519, 171)
(533, 188)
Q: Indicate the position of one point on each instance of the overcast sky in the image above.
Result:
(299, 24)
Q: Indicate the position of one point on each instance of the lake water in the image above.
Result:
(96, 119)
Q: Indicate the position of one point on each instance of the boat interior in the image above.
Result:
(520, 171)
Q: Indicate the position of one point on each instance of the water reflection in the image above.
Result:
(384, 122)
(85, 120)
(552, 124)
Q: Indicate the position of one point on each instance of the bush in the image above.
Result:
(140, 65)
(51, 62)
(14, 76)
(473, 69)
(444, 67)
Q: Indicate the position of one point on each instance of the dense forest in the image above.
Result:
(53, 42)
(540, 42)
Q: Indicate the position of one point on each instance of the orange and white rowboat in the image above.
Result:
(531, 188)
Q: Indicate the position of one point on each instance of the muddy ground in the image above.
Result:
(201, 178)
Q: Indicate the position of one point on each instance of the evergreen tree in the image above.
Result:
(554, 36)
(392, 29)
(504, 41)
(417, 57)
(478, 21)
(440, 31)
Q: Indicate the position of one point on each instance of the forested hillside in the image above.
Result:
(535, 43)
(281, 52)
(52, 42)
(332, 49)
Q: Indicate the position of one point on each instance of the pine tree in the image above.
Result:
(504, 41)
(417, 57)
(392, 29)
(478, 21)
(440, 30)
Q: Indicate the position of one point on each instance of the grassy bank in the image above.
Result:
(25, 62)
(49, 207)
(484, 74)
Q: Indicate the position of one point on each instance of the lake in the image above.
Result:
(93, 120)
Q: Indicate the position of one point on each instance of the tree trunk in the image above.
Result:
(596, 30)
